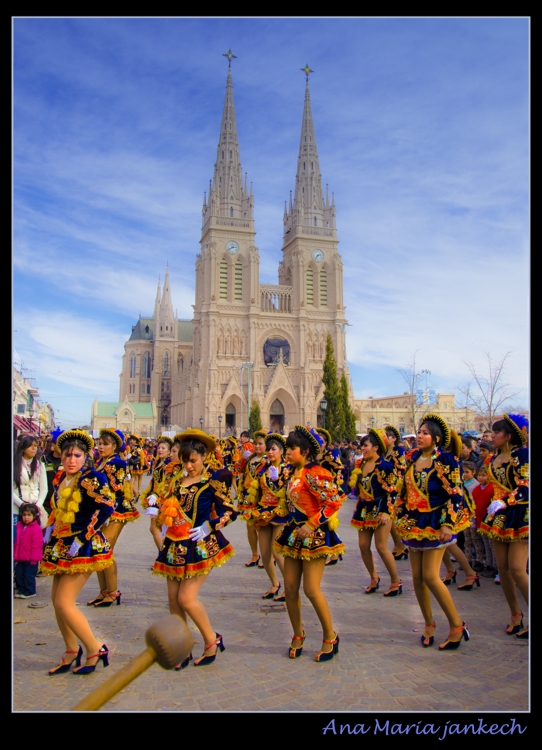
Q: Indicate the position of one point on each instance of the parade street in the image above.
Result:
(381, 665)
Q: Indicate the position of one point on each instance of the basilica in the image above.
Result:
(247, 342)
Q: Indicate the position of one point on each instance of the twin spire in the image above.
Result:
(229, 197)
(164, 319)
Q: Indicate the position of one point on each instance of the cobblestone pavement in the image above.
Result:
(381, 665)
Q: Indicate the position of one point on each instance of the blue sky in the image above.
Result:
(422, 128)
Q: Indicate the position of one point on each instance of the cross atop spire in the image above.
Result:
(229, 57)
(307, 72)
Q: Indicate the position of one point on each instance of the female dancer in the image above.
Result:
(193, 543)
(149, 496)
(271, 487)
(248, 493)
(327, 460)
(507, 520)
(75, 547)
(396, 455)
(431, 512)
(311, 504)
(29, 479)
(111, 464)
(137, 463)
(374, 484)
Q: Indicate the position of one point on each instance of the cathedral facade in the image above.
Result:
(247, 342)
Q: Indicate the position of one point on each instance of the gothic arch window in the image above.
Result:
(223, 279)
(143, 388)
(223, 154)
(231, 154)
(180, 363)
(310, 286)
(231, 212)
(146, 365)
(315, 221)
(238, 281)
(323, 287)
(132, 366)
(303, 165)
(166, 365)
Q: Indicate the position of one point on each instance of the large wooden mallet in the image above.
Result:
(168, 641)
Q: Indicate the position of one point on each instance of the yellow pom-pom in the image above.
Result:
(333, 522)
(354, 478)
(76, 496)
(254, 483)
(127, 491)
(73, 506)
(69, 517)
(66, 492)
(62, 503)
(399, 486)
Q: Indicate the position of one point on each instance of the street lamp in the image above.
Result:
(201, 423)
(372, 422)
(220, 426)
(323, 407)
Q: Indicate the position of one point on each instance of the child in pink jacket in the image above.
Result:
(27, 550)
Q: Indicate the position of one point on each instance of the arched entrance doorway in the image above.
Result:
(230, 419)
(276, 416)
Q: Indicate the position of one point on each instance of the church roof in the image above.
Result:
(144, 330)
(110, 408)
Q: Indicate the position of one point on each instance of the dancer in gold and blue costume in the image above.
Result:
(193, 543)
(114, 467)
(75, 547)
(431, 511)
(137, 463)
(271, 488)
(247, 492)
(151, 495)
(507, 519)
(374, 483)
(311, 506)
(396, 455)
(334, 465)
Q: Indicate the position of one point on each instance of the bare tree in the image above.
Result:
(411, 378)
(488, 390)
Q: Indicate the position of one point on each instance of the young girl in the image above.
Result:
(29, 478)
(27, 550)
(308, 538)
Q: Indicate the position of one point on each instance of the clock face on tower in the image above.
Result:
(317, 255)
(232, 247)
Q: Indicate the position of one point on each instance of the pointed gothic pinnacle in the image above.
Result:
(229, 57)
(307, 71)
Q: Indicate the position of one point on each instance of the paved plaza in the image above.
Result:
(381, 665)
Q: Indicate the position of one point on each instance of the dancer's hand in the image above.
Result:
(445, 534)
(273, 473)
(495, 507)
(200, 532)
(75, 547)
(151, 500)
(302, 532)
(151, 512)
(384, 518)
(47, 535)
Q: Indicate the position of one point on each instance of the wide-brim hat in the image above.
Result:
(165, 439)
(325, 434)
(193, 434)
(135, 437)
(260, 433)
(391, 428)
(81, 435)
(455, 444)
(276, 436)
(520, 426)
(311, 435)
(113, 434)
(443, 426)
(381, 438)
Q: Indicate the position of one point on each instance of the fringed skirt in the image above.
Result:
(95, 554)
(186, 558)
(508, 525)
(321, 543)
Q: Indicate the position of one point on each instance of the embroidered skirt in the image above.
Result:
(366, 514)
(95, 554)
(421, 529)
(124, 512)
(186, 559)
(321, 543)
(509, 525)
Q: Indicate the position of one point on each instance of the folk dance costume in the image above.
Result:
(376, 492)
(312, 498)
(248, 485)
(138, 459)
(508, 520)
(208, 500)
(271, 490)
(115, 470)
(156, 485)
(74, 542)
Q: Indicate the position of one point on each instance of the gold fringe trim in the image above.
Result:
(49, 569)
(223, 559)
(338, 549)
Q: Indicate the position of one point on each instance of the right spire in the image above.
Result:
(309, 207)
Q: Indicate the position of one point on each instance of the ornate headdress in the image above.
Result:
(165, 439)
(455, 444)
(81, 435)
(325, 434)
(443, 426)
(113, 434)
(391, 428)
(260, 434)
(315, 439)
(381, 438)
(193, 434)
(276, 436)
(135, 437)
(520, 426)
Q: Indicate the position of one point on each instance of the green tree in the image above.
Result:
(349, 417)
(255, 418)
(334, 414)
